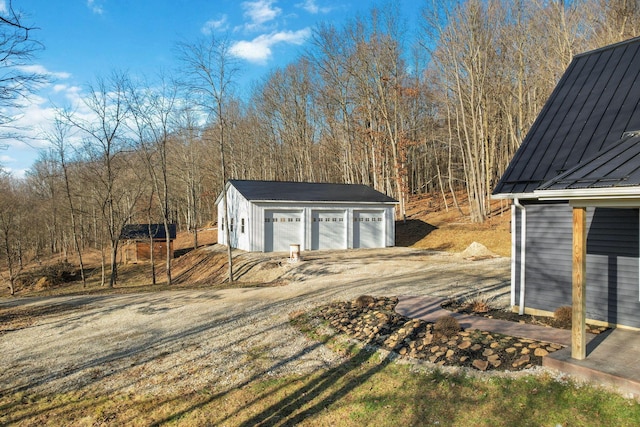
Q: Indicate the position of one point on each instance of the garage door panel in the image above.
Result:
(328, 230)
(282, 228)
(368, 229)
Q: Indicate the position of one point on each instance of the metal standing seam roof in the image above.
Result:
(141, 231)
(595, 102)
(308, 192)
(617, 166)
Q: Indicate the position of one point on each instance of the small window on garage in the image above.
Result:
(242, 225)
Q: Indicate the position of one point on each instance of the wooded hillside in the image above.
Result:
(434, 111)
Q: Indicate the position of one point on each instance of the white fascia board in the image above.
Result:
(297, 202)
(620, 195)
(619, 202)
(219, 198)
(521, 196)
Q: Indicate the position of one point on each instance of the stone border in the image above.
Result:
(374, 322)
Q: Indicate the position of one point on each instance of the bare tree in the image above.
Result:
(9, 232)
(210, 70)
(104, 146)
(614, 20)
(187, 157)
(286, 106)
(333, 57)
(58, 137)
(17, 51)
(152, 111)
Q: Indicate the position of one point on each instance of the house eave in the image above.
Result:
(512, 196)
(611, 197)
(344, 202)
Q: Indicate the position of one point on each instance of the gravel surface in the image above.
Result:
(183, 340)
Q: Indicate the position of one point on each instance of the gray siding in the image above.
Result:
(613, 280)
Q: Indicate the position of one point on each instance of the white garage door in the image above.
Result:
(281, 229)
(368, 229)
(328, 230)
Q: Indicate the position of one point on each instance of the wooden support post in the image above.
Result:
(579, 300)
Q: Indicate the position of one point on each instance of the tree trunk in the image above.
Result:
(7, 248)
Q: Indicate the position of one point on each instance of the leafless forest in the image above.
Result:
(440, 108)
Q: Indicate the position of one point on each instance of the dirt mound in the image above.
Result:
(477, 251)
(203, 265)
(208, 265)
(47, 276)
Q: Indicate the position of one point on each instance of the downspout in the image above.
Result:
(523, 252)
(514, 253)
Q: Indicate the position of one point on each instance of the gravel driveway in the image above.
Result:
(183, 340)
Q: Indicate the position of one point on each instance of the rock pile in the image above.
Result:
(374, 322)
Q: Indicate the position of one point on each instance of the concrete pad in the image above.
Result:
(612, 361)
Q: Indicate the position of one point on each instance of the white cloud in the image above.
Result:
(26, 142)
(33, 118)
(67, 96)
(95, 7)
(311, 7)
(3, 6)
(215, 25)
(259, 49)
(40, 69)
(17, 173)
(260, 12)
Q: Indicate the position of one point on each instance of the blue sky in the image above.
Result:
(84, 39)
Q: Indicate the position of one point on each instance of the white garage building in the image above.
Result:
(269, 216)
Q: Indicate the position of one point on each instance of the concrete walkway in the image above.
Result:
(612, 359)
(429, 309)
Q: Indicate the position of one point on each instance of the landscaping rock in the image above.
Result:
(376, 323)
(464, 345)
(481, 365)
(521, 361)
(540, 352)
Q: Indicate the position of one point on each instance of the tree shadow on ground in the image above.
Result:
(412, 231)
(309, 398)
(313, 398)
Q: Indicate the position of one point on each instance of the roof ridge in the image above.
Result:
(607, 47)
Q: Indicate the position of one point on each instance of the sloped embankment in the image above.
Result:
(208, 265)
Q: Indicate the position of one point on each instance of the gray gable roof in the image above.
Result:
(141, 232)
(617, 166)
(596, 101)
(308, 192)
